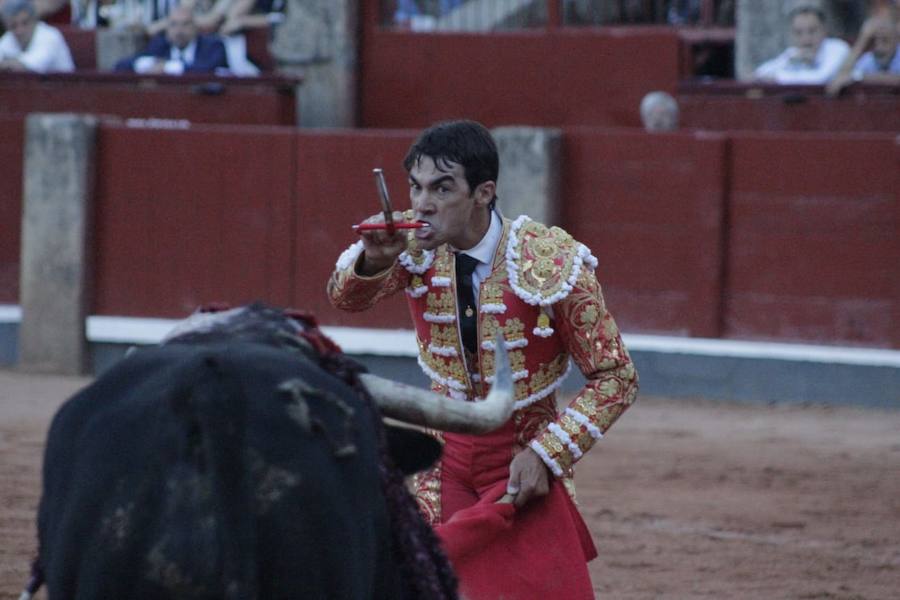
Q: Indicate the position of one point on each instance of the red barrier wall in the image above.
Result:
(651, 209)
(195, 227)
(790, 237)
(335, 189)
(199, 99)
(556, 77)
(258, 48)
(82, 44)
(730, 106)
(188, 217)
(814, 251)
(11, 163)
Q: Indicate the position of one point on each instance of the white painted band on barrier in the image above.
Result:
(402, 342)
(10, 313)
(872, 357)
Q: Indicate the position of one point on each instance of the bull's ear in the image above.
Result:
(411, 450)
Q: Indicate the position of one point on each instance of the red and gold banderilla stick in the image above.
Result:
(386, 210)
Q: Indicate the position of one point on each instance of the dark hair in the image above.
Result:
(466, 143)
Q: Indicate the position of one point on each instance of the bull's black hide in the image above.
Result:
(229, 470)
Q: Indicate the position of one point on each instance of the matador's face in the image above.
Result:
(441, 199)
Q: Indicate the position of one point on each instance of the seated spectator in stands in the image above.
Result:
(179, 50)
(232, 18)
(29, 44)
(813, 58)
(229, 19)
(881, 63)
(659, 112)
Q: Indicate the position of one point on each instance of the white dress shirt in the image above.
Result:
(46, 52)
(788, 69)
(484, 252)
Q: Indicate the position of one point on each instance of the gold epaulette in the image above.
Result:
(544, 262)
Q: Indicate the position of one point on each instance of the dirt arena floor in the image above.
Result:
(686, 499)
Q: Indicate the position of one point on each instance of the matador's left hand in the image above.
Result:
(528, 477)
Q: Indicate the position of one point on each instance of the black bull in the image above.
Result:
(233, 468)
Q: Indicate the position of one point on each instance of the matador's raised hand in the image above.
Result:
(381, 248)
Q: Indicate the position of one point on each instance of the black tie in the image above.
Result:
(468, 321)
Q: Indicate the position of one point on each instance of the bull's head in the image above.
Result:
(259, 323)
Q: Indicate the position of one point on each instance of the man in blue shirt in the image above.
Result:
(883, 60)
(875, 57)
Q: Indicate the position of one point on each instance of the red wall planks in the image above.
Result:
(733, 106)
(556, 77)
(11, 167)
(335, 189)
(194, 216)
(651, 209)
(814, 252)
(267, 100)
(82, 44)
(809, 249)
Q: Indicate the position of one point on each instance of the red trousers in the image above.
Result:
(539, 551)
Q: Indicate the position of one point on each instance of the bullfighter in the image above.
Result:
(469, 273)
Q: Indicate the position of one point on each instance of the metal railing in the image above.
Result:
(493, 15)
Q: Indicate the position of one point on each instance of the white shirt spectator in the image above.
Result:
(46, 52)
(786, 68)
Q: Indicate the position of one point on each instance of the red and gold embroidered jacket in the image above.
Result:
(543, 296)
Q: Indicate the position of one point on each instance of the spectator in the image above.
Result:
(179, 50)
(813, 58)
(659, 112)
(29, 44)
(880, 64)
(231, 19)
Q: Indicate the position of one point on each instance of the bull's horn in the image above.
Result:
(420, 407)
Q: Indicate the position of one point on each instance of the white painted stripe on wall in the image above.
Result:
(764, 350)
(353, 340)
(10, 313)
(402, 342)
(128, 330)
(381, 342)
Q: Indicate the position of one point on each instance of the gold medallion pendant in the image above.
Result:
(469, 311)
